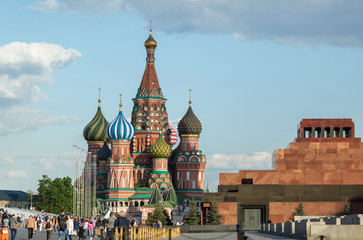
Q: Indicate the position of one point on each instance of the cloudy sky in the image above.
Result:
(256, 69)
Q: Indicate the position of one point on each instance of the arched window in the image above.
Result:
(142, 203)
(136, 204)
(139, 176)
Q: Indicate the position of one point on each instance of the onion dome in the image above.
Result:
(150, 42)
(173, 137)
(96, 129)
(189, 124)
(160, 149)
(120, 128)
(104, 152)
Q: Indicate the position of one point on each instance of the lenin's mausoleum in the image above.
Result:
(322, 168)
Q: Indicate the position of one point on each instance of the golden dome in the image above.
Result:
(150, 42)
(160, 149)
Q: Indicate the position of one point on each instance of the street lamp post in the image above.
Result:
(31, 199)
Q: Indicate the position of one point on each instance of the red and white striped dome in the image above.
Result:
(173, 137)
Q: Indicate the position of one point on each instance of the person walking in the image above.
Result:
(30, 224)
(5, 220)
(76, 224)
(13, 227)
(85, 225)
(62, 221)
(22, 221)
(54, 223)
(90, 229)
(70, 228)
(111, 222)
(48, 227)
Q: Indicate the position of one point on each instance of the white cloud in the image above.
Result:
(88, 6)
(302, 21)
(26, 66)
(312, 22)
(239, 161)
(47, 5)
(37, 58)
(45, 161)
(8, 160)
(17, 174)
(17, 119)
(174, 124)
(51, 161)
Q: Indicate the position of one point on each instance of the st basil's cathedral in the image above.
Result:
(134, 165)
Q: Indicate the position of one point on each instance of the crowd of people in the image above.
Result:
(68, 226)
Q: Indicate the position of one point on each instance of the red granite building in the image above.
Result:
(322, 168)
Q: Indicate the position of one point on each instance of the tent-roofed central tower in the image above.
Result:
(149, 116)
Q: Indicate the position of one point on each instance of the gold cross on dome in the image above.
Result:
(99, 97)
(151, 22)
(190, 96)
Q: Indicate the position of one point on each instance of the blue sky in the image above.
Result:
(256, 69)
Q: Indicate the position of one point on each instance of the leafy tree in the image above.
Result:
(193, 217)
(55, 194)
(299, 210)
(158, 214)
(346, 209)
(213, 216)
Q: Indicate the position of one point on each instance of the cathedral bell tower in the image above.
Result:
(149, 116)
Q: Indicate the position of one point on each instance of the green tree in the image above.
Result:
(55, 194)
(213, 216)
(193, 217)
(158, 214)
(346, 209)
(299, 210)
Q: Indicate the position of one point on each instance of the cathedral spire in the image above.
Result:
(149, 86)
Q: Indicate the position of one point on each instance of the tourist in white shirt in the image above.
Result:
(70, 227)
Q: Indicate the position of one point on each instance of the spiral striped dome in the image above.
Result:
(189, 124)
(96, 129)
(160, 149)
(120, 128)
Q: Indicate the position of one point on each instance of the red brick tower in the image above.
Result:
(120, 164)
(189, 162)
(149, 116)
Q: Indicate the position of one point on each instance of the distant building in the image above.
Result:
(14, 199)
(322, 168)
(129, 160)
